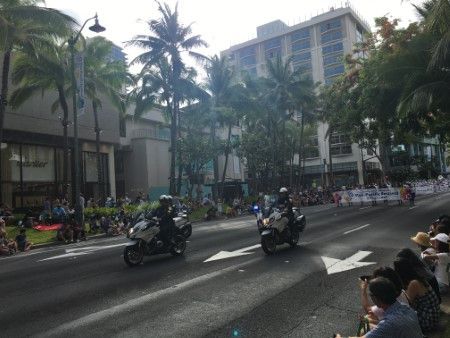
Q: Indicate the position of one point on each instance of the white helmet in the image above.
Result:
(283, 190)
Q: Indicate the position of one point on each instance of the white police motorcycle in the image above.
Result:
(145, 241)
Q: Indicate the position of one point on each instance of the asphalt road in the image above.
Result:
(85, 289)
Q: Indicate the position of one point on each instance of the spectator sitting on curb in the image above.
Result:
(7, 247)
(375, 313)
(422, 240)
(21, 240)
(441, 259)
(399, 321)
(65, 233)
(420, 294)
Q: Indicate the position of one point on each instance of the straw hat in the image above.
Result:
(422, 238)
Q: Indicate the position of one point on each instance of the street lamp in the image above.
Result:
(72, 42)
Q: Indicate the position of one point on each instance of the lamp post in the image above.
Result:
(72, 42)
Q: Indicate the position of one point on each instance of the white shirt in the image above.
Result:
(440, 272)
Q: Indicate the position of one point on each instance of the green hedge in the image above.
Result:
(129, 210)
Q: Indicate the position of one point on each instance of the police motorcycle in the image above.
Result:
(146, 241)
(274, 228)
(181, 220)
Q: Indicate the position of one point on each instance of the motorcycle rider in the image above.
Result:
(285, 204)
(165, 215)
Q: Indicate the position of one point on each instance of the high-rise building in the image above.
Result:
(317, 47)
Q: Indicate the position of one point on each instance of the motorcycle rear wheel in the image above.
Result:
(179, 247)
(268, 245)
(133, 255)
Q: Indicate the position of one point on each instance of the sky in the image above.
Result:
(221, 23)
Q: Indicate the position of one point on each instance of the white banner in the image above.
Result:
(389, 194)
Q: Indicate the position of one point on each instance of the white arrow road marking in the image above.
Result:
(229, 254)
(81, 251)
(356, 229)
(334, 265)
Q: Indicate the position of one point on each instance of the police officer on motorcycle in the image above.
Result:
(165, 215)
(285, 205)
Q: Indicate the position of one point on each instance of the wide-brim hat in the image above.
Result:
(422, 238)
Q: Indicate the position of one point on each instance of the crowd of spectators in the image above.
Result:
(403, 301)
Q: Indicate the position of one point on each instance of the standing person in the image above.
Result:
(420, 294)
(441, 260)
(59, 214)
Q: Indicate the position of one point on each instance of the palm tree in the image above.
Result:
(168, 39)
(219, 84)
(23, 23)
(44, 70)
(289, 92)
(104, 78)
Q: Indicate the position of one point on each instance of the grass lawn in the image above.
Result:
(34, 236)
(198, 214)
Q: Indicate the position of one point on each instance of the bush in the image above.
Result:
(129, 210)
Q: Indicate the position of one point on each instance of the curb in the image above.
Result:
(58, 243)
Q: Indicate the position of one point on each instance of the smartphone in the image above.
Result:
(365, 278)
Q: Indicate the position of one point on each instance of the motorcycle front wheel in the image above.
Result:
(268, 245)
(188, 231)
(179, 246)
(133, 255)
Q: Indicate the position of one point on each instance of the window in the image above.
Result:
(122, 127)
(332, 48)
(273, 53)
(274, 43)
(332, 59)
(249, 60)
(301, 45)
(250, 72)
(303, 67)
(301, 34)
(334, 70)
(301, 57)
(359, 34)
(340, 144)
(247, 51)
(341, 150)
(329, 25)
(331, 36)
(340, 138)
(38, 164)
(312, 147)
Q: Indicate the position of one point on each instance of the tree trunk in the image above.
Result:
(227, 153)
(101, 184)
(4, 102)
(330, 164)
(301, 151)
(180, 165)
(215, 160)
(173, 148)
(65, 123)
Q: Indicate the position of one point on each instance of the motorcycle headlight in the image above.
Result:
(131, 231)
(265, 221)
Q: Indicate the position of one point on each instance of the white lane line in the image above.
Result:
(127, 306)
(365, 208)
(410, 208)
(356, 229)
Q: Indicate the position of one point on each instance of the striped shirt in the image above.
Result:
(400, 321)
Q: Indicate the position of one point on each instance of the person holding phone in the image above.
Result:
(375, 313)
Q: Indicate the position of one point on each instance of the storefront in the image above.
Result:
(30, 173)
